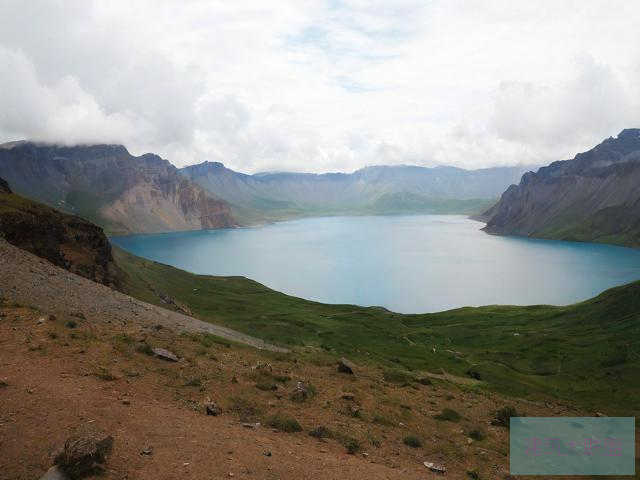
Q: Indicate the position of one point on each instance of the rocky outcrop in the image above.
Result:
(4, 186)
(593, 197)
(67, 241)
(109, 186)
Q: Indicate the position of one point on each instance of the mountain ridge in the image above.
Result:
(593, 197)
(108, 185)
(281, 195)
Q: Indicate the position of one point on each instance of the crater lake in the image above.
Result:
(408, 264)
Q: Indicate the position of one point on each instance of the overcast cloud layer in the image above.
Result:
(322, 85)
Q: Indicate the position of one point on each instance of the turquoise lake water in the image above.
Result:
(407, 264)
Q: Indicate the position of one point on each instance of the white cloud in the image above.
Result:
(322, 85)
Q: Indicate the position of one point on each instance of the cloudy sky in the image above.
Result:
(322, 85)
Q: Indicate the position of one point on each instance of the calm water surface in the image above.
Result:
(407, 264)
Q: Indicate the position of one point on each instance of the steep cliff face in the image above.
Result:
(106, 184)
(594, 197)
(65, 240)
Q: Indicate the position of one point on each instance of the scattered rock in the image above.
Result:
(354, 410)
(165, 354)
(250, 425)
(434, 467)
(301, 392)
(147, 450)
(350, 397)
(263, 367)
(126, 401)
(345, 366)
(84, 455)
(599, 414)
(212, 409)
(41, 320)
(266, 453)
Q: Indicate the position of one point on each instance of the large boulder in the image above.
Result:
(345, 366)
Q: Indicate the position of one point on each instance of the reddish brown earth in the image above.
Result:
(59, 379)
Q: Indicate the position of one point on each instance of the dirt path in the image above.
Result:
(30, 280)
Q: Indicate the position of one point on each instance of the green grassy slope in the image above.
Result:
(586, 353)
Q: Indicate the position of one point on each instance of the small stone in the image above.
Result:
(147, 450)
(165, 354)
(345, 366)
(52, 318)
(434, 467)
(600, 414)
(348, 396)
(126, 401)
(301, 392)
(212, 409)
(41, 321)
(266, 453)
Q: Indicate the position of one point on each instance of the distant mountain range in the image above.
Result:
(107, 185)
(127, 194)
(371, 190)
(593, 197)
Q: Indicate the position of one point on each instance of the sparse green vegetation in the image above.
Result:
(477, 434)
(400, 377)
(352, 445)
(448, 415)
(412, 441)
(504, 414)
(104, 374)
(321, 433)
(71, 324)
(266, 386)
(473, 474)
(384, 421)
(144, 347)
(284, 423)
(193, 382)
(247, 410)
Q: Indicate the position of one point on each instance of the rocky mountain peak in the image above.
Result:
(629, 133)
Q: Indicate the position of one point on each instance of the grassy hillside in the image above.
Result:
(585, 353)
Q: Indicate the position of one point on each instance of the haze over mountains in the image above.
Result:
(593, 197)
(370, 190)
(146, 194)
